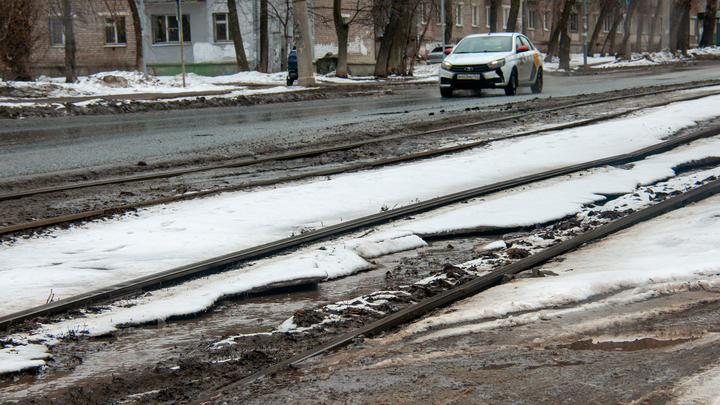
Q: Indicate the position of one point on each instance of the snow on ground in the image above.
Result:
(68, 262)
(98, 254)
(676, 252)
(637, 59)
(128, 83)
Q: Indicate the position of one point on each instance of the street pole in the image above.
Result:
(143, 43)
(585, 30)
(303, 45)
(182, 38)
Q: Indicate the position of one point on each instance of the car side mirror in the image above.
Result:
(523, 48)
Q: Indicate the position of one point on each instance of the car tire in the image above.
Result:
(446, 93)
(538, 86)
(512, 85)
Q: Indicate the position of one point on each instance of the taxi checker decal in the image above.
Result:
(536, 63)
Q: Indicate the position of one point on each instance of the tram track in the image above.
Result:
(473, 287)
(104, 212)
(218, 263)
(354, 145)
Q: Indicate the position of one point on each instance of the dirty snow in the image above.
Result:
(103, 253)
(637, 59)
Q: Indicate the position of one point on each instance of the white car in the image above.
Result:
(495, 60)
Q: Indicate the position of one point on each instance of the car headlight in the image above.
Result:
(496, 64)
(447, 65)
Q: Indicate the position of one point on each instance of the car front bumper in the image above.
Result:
(488, 79)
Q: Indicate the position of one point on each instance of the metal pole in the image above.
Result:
(585, 30)
(182, 39)
(143, 43)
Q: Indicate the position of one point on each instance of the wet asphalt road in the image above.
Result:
(42, 145)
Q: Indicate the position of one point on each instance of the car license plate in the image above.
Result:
(468, 77)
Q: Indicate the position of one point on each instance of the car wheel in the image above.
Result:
(538, 86)
(447, 93)
(511, 87)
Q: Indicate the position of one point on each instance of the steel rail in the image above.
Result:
(348, 146)
(381, 162)
(218, 263)
(481, 283)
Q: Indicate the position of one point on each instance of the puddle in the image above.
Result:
(133, 348)
(627, 346)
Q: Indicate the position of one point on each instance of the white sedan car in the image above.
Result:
(495, 60)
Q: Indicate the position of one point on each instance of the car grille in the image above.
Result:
(470, 69)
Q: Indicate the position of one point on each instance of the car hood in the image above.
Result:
(475, 58)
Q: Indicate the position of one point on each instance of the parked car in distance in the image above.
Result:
(437, 55)
(494, 60)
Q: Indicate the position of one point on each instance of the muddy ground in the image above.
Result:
(57, 204)
(548, 362)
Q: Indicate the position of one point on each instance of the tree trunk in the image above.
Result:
(561, 26)
(564, 50)
(610, 40)
(677, 25)
(638, 28)
(381, 64)
(449, 21)
(342, 30)
(494, 8)
(708, 37)
(242, 62)
(627, 31)
(17, 19)
(652, 47)
(138, 35)
(264, 46)
(684, 34)
(396, 59)
(605, 10)
(512, 17)
(70, 48)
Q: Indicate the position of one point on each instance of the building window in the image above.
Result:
(166, 30)
(693, 26)
(438, 15)
(506, 15)
(531, 20)
(545, 22)
(620, 26)
(458, 15)
(573, 22)
(607, 23)
(57, 37)
(222, 27)
(115, 31)
(475, 18)
(487, 16)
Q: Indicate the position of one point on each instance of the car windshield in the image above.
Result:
(484, 44)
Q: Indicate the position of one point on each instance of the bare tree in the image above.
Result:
(449, 21)
(242, 62)
(513, 15)
(17, 37)
(606, 7)
(679, 20)
(609, 43)
(627, 30)
(652, 46)
(70, 47)
(262, 65)
(138, 34)
(494, 8)
(282, 12)
(391, 55)
(559, 28)
(708, 35)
